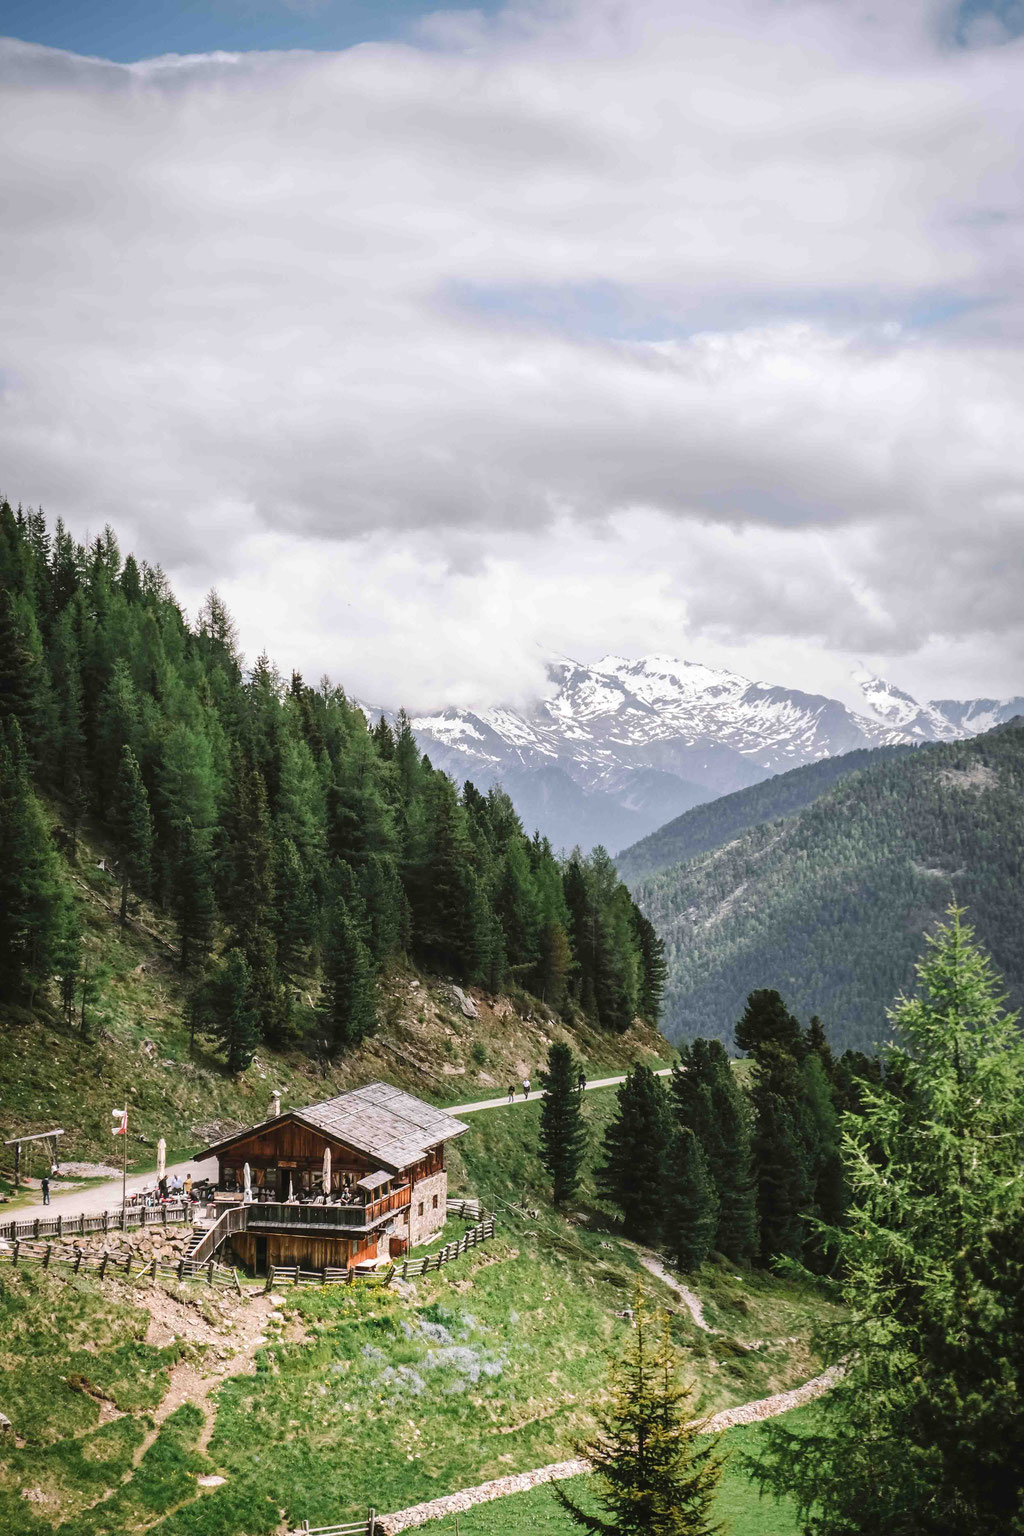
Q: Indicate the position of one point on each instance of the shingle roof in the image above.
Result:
(391, 1127)
(384, 1122)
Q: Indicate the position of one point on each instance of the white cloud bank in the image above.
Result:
(688, 325)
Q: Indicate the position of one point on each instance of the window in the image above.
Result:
(421, 1208)
(435, 1202)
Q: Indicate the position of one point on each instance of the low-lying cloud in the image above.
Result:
(689, 326)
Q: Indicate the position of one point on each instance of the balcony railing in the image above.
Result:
(327, 1218)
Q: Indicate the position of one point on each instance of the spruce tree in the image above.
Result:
(655, 1473)
(923, 1431)
(132, 828)
(691, 1202)
(654, 967)
(18, 670)
(632, 1176)
(563, 1132)
(347, 1009)
(785, 1186)
(195, 907)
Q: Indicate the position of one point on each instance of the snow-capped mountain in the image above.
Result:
(621, 746)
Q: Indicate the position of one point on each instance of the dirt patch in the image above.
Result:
(977, 777)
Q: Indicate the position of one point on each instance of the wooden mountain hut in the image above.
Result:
(387, 1189)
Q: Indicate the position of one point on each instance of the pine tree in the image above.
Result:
(229, 1013)
(563, 1132)
(767, 1022)
(18, 670)
(654, 1470)
(195, 907)
(708, 1100)
(923, 1431)
(347, 1010)
(632, 1175)
(654, 967)
(691, 1202)
(785, 1188)
(132, 828)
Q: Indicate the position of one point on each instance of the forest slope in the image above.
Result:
(829, 906)
(718, 821)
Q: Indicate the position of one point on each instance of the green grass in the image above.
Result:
(365, 1398)
(537, 1513)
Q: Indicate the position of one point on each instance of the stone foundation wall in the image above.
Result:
(424, 1192)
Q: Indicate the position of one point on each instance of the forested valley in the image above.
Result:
(829, 905)
(299, 848)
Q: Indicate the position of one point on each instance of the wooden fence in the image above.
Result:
(371, 1526)
(292, 1274)
(411, 1268)
(129, 1268)
(59, 1225)
(470, 1208)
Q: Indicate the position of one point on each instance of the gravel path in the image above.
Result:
(691, 1301)
(535, 1094)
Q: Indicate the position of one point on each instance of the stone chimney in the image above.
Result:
(274, 1108)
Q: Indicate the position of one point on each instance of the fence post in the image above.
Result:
(35, 1227)
(270, 1280)
(103, 1264)
(238, 1286)
(209, 1271)
(46, 1255)
(371, 1524)
(181, 1268)
(163, 1214)
(78, 1260)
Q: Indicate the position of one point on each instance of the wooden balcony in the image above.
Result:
(326, 1219)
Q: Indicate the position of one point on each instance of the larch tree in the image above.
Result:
(923, 1431)
(348, 1001)
(563, 1131)
(655, 1471)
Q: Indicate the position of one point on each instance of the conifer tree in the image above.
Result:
(195, 907)
(35, 903)
(632, 1176)
(347, 1009)
(654, 968)
(250, 896)
(691, 1201)
(923, 1431)
(785, 1188)
(563, 1132)
(132, 828)
(230, 1013)
(767, 1022)
(18, 671)
(708, 1099)
(655, 1472)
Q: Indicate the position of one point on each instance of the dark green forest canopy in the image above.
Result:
(292, 842)
(830, 906)
(716, 822)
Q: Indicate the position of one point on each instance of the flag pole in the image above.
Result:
(124, 1170)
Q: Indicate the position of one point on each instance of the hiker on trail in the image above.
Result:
(526, 1087)
(581, 1081)
(512, 1093)
(45, 1186)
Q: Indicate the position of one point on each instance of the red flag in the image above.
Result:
(120, 1125)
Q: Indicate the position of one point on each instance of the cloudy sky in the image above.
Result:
(445, 341)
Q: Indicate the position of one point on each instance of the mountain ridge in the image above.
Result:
(607, 727)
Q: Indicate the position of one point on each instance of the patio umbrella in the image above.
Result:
(289, 1186)
(246, 1184)
(161, 1158)
(327, 1170)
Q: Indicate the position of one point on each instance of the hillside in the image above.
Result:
(709, 826)
(829, 906)
(189, 845)
(319, 1403)
(136, 1047)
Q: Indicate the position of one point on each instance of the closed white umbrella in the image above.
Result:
(161, 1158)
(289, 1186)
(327, 1170)
(246, 1185)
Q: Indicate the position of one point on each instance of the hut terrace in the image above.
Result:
(352, 1180)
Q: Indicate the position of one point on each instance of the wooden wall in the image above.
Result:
(309, 1252)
